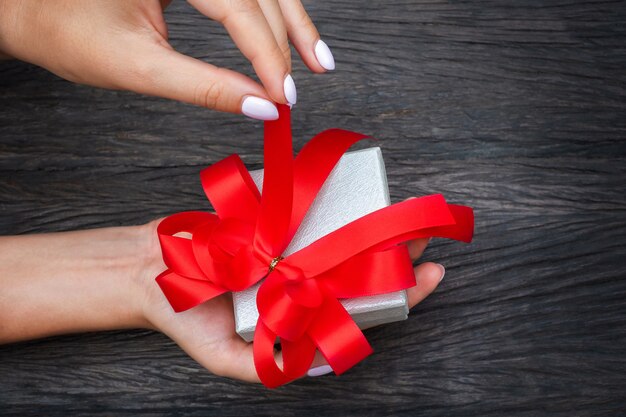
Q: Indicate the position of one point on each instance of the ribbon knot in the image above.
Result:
(275, 262)
(298, 301)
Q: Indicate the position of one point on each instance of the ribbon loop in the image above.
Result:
(281, 312)
(184, 293)
(231, 190)
(228, 237)
(178, 253)
(337, 337)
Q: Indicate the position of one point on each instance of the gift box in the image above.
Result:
(356, 186)
(310, 259)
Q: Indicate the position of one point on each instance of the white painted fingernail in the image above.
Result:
(290, 90)
(324, 56)
(320, 370)
(259, 108)
(443, 271)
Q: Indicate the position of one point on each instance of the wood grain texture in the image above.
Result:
(516, 108)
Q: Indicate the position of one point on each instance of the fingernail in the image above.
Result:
(324, 56)
(443, 271)
(290, 90)
(259, 108)
(320, 370)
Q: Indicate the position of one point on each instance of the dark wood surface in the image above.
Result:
(515, 108)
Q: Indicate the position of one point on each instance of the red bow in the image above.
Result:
(298, 300)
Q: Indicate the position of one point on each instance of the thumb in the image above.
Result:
(172, 75)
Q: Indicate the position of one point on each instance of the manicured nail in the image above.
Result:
(259, 108)
(320, 370)
(290, 90)
(324, 56)
(443, 271)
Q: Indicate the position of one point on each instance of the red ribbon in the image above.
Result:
(298, 300)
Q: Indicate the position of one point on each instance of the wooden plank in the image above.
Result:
(517, 109)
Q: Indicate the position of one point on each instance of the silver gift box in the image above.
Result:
(356, 186)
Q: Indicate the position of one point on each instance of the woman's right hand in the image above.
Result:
(123, 44)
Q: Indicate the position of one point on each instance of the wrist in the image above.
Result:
(148, 263)
(79, 281)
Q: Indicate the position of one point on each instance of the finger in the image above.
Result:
(304, 36)
(167, 73)
(245, 22)
(156, 18)
(240, 360)
(417, 247)
(319, 366)
(275, 19)
(427, 276)
(233, 358)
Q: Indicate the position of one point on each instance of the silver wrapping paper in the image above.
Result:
(356, 186)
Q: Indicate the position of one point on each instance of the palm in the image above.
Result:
(207, 333)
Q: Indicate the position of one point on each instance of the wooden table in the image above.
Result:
(515, 108)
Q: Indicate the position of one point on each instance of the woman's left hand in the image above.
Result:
(207, 331)
(104, 279)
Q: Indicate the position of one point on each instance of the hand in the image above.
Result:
(123, 44)
(207, 332)
(104, 279)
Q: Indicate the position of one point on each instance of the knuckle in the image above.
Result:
(209, 94)
(285, 49)
(286, 52)
(238, 11)
(243, 6)
(305, 21)
(141, 70)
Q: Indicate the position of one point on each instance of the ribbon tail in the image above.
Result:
(370, 273)
(378, 230)
(279, 312)
(184, 293)
(337, 337)
(277, 198)
(463, 229)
